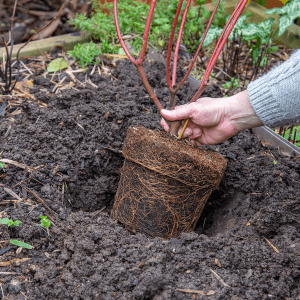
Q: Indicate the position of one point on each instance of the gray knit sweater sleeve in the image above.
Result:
(275, 97)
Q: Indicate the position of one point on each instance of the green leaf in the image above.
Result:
(287, 20)
(240, 22)
(262, 2)
(200, 2)
(212, 34)
(166, 27)
(57, 65)
(284, 22)
(205, 13)
(2, 165)
(20, 244)
(17, 223)
(121, 51)
(161, 21)
(267, 25)
(4, 221)
(251, 31)
(276, 10)
(161, 43)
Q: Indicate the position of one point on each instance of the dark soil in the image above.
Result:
(76, 141)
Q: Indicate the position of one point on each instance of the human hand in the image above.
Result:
(214, 120)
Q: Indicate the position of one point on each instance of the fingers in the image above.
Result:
(164, 125)
(197, 132)
(180, 112)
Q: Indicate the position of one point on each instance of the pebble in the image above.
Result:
(14, 286)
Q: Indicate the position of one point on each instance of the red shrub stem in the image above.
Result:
(200, 46)
(139, 63)
(178, 42)
(171, 45)
(220, 44)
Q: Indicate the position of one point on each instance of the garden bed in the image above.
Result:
(246, 244)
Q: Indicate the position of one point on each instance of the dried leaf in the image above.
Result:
(191, 291)
(24, 86)
(211, 292)
(217, 263)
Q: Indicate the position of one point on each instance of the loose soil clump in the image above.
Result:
(75, 144)
(164, 183)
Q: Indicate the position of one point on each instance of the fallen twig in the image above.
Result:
(41, 201)
(219, 278)
(272, 246)
(13, 194)
(99, 211)
(17, 164)
(14, 260)
(196, 292)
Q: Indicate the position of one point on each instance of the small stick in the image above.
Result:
(295, 135)
(98, 212)
(40, 200)
(2, 290)
(291, 132)
(26, 68)
(273, 247)
(13, 194)
(219, 278)
(62, 193)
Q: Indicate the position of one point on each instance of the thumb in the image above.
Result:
(180, 113)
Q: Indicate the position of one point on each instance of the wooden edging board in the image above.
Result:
(39, 47)
(265, 134)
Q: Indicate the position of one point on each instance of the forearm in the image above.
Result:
(241, 113)
(275, 97)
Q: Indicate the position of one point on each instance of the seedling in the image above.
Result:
(45, 224)
(10, 222)
(173, 88)
(2, 165)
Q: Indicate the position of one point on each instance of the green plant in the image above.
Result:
(288, 13)
(233, 83)
(20, 244)
(10, 222)
(85, 53)
(2, 165)
(45, 222)
(132, 16)
(254, 39)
